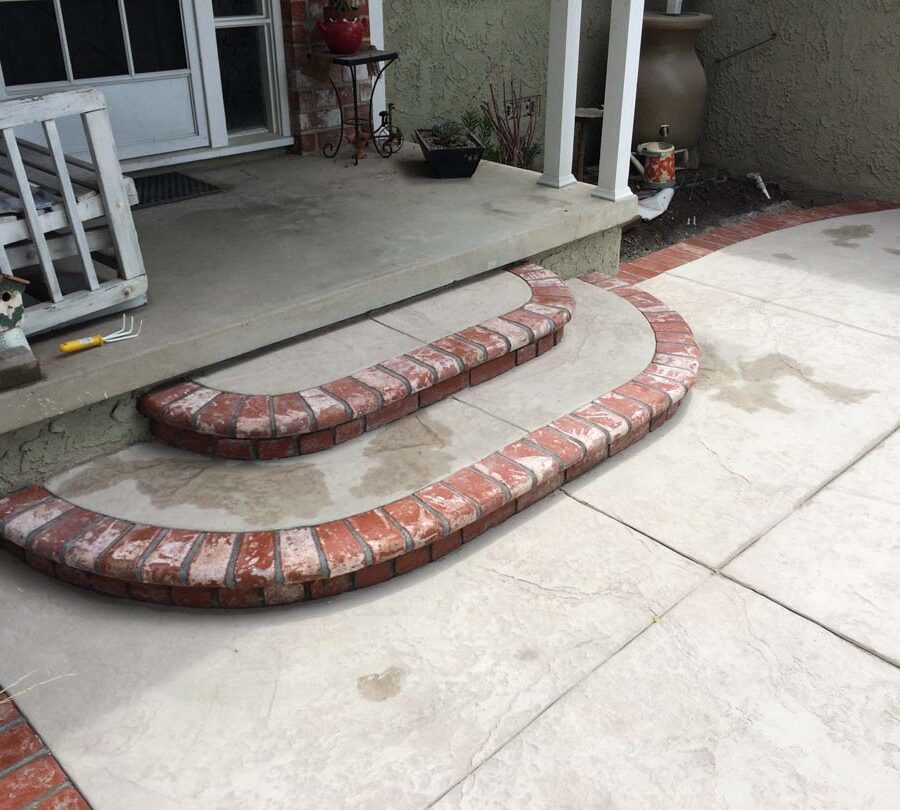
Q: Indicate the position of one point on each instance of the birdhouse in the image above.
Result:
(12, 307)
(17, 363)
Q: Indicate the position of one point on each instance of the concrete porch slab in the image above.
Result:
(730, 701)
(295, 244)
(836, 559)
(338, 352)
(382, 698)
(783, 402)
(845, 269)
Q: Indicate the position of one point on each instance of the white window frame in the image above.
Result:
(270, 21)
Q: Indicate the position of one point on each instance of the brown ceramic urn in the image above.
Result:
(671, 91)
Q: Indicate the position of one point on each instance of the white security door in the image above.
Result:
(141, 54)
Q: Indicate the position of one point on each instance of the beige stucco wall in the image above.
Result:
(33, 453)
(819, 107)
(449, 50)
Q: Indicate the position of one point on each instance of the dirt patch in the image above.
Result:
(700, 204)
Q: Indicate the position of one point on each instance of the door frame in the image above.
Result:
(212, 81)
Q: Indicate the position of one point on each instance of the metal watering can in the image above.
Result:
(658, 167)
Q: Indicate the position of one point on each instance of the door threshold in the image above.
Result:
(239, 147)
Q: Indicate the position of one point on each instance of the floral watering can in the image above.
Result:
(658, 166)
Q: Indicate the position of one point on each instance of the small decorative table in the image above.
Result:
(386, 138)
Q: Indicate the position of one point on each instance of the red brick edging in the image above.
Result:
(668, 258)
(264, 426)
(249, 569)
(30, 776)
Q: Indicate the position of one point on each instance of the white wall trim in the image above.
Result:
(209, 72)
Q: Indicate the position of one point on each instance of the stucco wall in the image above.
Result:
(819, 106)
(31, 454)
(447, 50)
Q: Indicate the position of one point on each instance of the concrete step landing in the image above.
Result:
(163, 525)
(307, 396)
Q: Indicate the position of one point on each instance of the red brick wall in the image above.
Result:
(315, 113)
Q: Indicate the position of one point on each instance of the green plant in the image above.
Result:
(449, 134)
(476, 122)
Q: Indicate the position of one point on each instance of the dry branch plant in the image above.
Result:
(510, 125)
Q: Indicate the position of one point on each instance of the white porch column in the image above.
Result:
(562, 83)
(618, 106)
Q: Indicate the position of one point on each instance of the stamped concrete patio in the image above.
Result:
(707, 620)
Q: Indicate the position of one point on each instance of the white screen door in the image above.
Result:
(141, 54)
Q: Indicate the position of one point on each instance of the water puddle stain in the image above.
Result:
(381, 685)
(847, 236)
(406, 454)
(754, 385)
(135, 487)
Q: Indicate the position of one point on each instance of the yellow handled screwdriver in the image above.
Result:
(127, 332)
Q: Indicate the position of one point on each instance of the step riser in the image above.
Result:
(204, 420)
(307, 443)
(250, 569)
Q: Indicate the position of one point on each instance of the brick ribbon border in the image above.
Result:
(706, 242)
(30, 776)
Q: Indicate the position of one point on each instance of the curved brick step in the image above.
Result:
(204, 419)
(254, 568)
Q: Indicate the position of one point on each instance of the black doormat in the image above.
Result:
(169, 187)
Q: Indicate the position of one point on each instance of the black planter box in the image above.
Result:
(450, 161)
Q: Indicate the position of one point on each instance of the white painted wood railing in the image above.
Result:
(62, 211)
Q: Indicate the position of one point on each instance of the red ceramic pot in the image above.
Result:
(342, 36)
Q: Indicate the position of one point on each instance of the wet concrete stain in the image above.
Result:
(255, 496)
(848, 236)
(381, 685)
(785, 256)
(405, 454)
(753, 386)
(892, 251)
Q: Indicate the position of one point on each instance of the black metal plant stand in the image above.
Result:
(386, 138)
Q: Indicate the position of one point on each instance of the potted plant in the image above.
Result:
(450, 149)
(341, 27)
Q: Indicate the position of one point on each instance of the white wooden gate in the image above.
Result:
(60, 209)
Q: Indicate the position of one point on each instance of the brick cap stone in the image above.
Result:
(203, 419)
